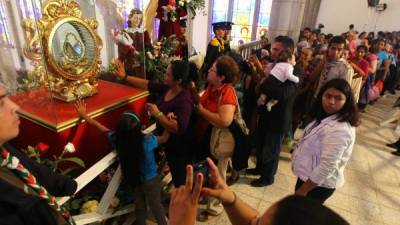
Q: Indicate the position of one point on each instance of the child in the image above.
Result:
(282, 71)
(135, 153)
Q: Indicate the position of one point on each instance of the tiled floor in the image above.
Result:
(371, 194)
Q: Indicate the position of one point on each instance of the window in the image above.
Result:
(30, 9)
(251, 17)
(4, 31)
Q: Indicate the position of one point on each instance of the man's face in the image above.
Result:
(220, 33)
(306, 33)
(9, 120)
(276, 49)
(335, 51)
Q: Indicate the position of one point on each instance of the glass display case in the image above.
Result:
(55, 52)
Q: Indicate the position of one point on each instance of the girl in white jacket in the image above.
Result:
(327, 142)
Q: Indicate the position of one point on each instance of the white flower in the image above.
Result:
(151, 56)
(70, 148)
(173, 18)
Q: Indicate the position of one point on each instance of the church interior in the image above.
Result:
(283, 109)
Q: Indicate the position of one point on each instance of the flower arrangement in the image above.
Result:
(192, 5)
(169, 13)
(157, 58)
(41, 148)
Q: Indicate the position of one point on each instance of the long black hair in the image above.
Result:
(180, 71)
(300, 210)
(348, 113)
(129, 145)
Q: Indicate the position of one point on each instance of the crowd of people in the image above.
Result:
(319, 84)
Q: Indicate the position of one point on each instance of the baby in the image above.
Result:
(281, 72)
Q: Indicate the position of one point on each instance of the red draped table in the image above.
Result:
(55, 123)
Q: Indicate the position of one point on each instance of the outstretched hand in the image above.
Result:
(184, 200)
(120, 69)
(218, 188)
(80, 107)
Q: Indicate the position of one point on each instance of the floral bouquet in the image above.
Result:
(192, 5)
(157, 58)
(169, 13)
(41, 148)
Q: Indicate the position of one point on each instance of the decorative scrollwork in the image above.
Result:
(71, 49)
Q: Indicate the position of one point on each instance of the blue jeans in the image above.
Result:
(268, 155)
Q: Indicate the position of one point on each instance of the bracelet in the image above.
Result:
(230, 204)
(158, 115)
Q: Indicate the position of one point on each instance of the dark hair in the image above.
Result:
(180, 71)
(300, 210)
(351, 26)
(361, 34)
(284, 56)
(134, 12)
(129, 146)
(193, 72)
(365, 48)
(244, 66)
(227, 67)
(348, 113)
(337, 40)
(307, 28)
(286, 41)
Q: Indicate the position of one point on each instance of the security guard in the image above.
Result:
(227, 36)
(216, 47)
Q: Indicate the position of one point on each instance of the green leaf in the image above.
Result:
(69, 170)
(75, 160)
(76, 204)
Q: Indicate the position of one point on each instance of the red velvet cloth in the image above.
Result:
(91, 145)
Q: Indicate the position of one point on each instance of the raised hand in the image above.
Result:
(184, 200)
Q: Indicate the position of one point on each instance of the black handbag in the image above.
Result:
(240, 133)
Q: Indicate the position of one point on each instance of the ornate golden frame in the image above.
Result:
(64, 85)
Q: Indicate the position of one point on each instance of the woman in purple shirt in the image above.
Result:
(175, 99)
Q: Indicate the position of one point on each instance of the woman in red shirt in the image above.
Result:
(217, 108)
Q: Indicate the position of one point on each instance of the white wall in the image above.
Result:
(337, 15)
(200, 30)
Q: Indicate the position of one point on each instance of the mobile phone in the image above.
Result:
(201, 167)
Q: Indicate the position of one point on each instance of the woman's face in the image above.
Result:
(333, 101)
(361, 53)
(169, 78)
(213, 78)
(135, 20)
(306, 55)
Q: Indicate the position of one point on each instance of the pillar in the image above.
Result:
(286, 18)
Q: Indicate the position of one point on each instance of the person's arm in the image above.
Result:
(239, 212)
(385, 68)
(372, 66)
(357, 69)
(57, 184)
(223, 118)
(169, 125)
(290, 76)
(164, 137)
(317, 71)
(80, 107)
(134, 81)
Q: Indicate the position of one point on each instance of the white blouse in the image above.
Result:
(323, 152)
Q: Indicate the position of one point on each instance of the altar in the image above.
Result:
(56, 122)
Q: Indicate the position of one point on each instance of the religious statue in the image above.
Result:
(131, 40)
(169, 14)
